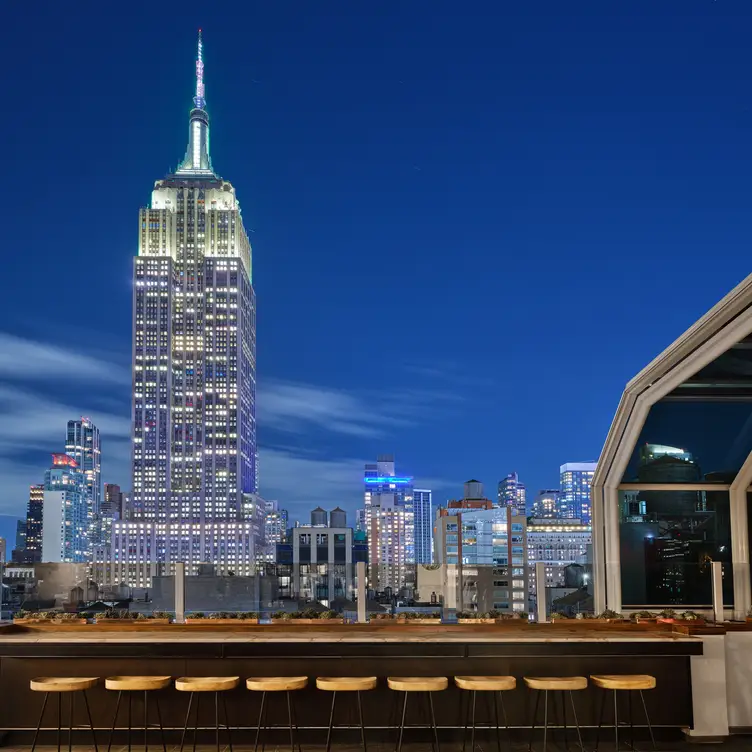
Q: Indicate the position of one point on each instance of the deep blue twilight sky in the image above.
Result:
(472, 222)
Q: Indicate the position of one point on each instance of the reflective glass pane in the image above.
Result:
(686, 441)
(668, 540)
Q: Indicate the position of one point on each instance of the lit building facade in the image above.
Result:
(486, 545)
(574, 491)
(195, 459)
(557, 543)
(546, 504)
(360, 520)
(390, 526)
(31, 552)
(318, 563)
(423, 510)
(65, 518)
(275, 529)
(512, 492)
(82, 442)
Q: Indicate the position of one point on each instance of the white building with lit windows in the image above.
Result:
(556, 543)
(194, 370)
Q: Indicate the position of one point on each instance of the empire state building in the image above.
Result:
(194, 375)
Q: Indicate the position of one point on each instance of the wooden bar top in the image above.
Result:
(539, 633)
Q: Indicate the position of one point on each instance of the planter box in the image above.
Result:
(479, 621)
(433, 622)
(130, 623)
(51, 623)
(221, 622)
(307, 622)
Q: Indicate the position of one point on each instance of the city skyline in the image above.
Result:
(295, 202)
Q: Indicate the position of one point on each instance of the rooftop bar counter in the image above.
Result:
(344, 650)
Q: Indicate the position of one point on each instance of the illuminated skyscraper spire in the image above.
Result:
(197, 159)
(199, 99)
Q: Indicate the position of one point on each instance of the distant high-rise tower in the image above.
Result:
(82, 443)
(546, 504)
(65, 522)
(423, 507)
(360, 520)
(195, 460)
(574, 496)
(32, 551)
(512, 493)
(390, 525)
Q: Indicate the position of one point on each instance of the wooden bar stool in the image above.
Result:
(493, 686)
(561, 684)
(197, 685)
(286, 684)
(58, 685)
(425, 684)
(355, 684)
(131, 685)
(623, 683)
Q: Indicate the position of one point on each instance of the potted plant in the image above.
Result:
(380, 616)
(223, 618)
(558, 616)
(667, 616)
(68, 619)
(330, 617)
(643, 617)
(413, 617)
(692, 617)
(477, 617)
(29, 617)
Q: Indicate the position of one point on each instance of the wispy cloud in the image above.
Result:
(28, 359)
(292, 407)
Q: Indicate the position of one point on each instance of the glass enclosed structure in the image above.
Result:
(670, 494)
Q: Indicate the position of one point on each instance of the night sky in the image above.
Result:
(472, 222)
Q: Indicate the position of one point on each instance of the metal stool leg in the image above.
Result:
(362, 725)
(91, 723)
(227, 722)
(289, 718)
(260, 718)
(195, 725)
(600, 718)
(402, 723)
(647, 718)
(331, 723)
(472, 732)
(146, 721)
(216, 719)
(631, 720)
(59, 718)
(535, 717)
(161, 727)
(545, 720)
(433, 722)
(130, 722)
(39, 725)
(506, 719)
(616, 722)
(185, 725)
(494, 701)
(564, 719)
(70, 722)
(576, 722)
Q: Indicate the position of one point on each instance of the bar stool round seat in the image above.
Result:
(346, 683)
(556, 683)
(276, 683)
(137, 683)
(417, 683)
(486, 683)
(206, 683)
(63, 683)
(57, 685)
(623, 681)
